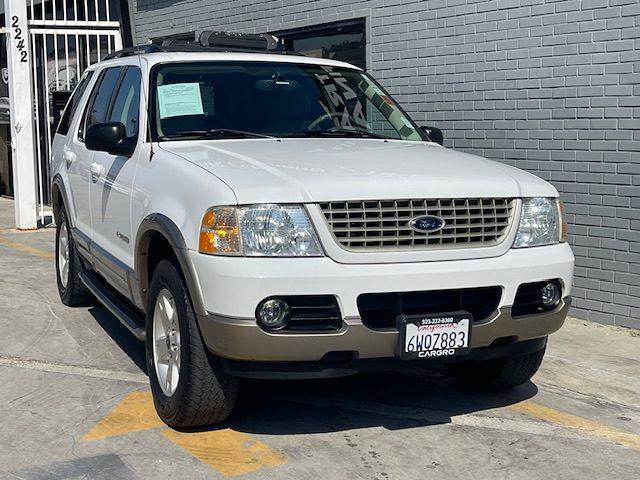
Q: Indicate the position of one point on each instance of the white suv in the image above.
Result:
(266, 215)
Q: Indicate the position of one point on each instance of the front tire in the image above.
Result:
(73, 292)
(189, 386)
(497, 374)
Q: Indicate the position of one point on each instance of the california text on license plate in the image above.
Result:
(434, 335)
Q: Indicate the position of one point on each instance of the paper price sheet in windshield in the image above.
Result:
(432, 336)
(180, 99)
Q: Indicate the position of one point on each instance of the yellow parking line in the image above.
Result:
(26, 249)
(573, 421)
(229, 452)
(134, 413)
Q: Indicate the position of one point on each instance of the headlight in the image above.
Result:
(259, 230)
(541, 223)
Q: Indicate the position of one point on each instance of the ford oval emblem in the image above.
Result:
(426, 224)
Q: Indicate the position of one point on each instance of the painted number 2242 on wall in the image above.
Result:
(18, 37)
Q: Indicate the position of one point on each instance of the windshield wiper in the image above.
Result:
(343, 133)
(214, 132)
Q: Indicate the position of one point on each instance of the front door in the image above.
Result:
(77, 157)
(112, 184)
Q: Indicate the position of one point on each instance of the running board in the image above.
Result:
(125, 314)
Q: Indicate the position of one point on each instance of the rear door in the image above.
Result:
(73, 161)
(112, 184)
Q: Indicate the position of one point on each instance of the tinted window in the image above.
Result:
(101, 99)
(127, 102)
(73, 104)
(224, 99)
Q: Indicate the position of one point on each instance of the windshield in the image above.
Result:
(259, 99)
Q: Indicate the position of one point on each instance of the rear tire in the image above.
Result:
(497, 374)
(203, 393)
(73, 292)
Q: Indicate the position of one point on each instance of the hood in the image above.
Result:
(318, 170)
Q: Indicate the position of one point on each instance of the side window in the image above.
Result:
(127, 103)
(101, 99)
(73, 104)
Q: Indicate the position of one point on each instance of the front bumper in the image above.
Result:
(331, 368)
(233, 287)
(239, 339)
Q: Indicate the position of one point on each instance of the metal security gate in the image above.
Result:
(65, 37)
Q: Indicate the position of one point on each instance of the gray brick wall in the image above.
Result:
(552, 87)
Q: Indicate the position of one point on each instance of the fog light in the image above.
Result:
(273, 314)
(550, 295)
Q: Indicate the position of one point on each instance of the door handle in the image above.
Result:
(96, 171)
(69, 157)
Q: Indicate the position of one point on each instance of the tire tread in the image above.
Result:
(497, 374)
(209, 394)
(76, 294)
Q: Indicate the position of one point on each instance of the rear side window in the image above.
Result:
(127, 103)
(101, 99)
(73, 104)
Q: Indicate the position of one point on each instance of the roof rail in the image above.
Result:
(208, 41)
(136, 50)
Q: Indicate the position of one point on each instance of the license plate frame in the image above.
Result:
(445, 321)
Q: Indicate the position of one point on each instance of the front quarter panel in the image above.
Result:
(179, 190)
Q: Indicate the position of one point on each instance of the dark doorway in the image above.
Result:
(344, 41)
(6, 174)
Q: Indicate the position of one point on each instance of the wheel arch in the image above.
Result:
(154, 229)
(59, 198)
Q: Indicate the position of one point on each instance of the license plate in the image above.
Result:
(434, 336)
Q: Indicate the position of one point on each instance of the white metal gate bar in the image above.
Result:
(66, 37)
(73, 13)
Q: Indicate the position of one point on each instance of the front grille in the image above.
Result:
(379, 311)
(384, 224)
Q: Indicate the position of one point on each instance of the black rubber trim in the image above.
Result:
(158, 223)
(307, 313)
(379, 311)
(328, 369)
(528, 299)
(132, 320)
(58, 183)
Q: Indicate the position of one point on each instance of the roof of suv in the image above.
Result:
(165, 57)
(161, 57)
(219, 46)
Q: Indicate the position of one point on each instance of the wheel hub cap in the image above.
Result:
(166, 342)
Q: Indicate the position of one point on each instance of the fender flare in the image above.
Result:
(57, 185)
(158, 223)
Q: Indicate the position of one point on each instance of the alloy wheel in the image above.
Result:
(63, 255)
(166, 342)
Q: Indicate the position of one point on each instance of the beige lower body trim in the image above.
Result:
(242, 339)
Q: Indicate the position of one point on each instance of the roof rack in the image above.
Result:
(208, 41)
(261, 41)
(136, 50)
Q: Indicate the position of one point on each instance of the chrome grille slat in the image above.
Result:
(383, 224)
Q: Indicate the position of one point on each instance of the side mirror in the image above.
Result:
(434, 134)
(109, 137)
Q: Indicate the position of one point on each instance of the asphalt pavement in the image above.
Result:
(74, 404)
